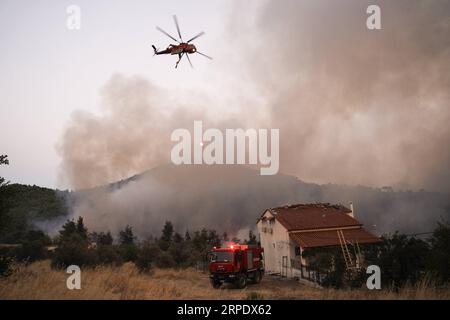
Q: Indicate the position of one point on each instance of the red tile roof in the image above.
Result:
(330, 238)
(314, 216)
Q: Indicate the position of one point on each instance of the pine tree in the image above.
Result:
(251, 238)
(167, 232)
(225, 237)
(81, 229)
(126, 236)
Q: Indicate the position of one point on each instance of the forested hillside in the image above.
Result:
(21, 206)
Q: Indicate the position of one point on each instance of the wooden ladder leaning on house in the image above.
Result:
(345, 252)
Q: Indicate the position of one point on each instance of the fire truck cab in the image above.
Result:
(237, 264)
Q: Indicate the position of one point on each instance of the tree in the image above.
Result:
(401, 258)
(166, 236)
(236, 240)
(439, 257)
(3, 160)
(167, 232)
(68, 228)
(105, 239)
(73, 245)
(81, 229)
(225, 237)
(128, 248)
(147, 255)
(101, 239)
(251, 238)
(187, 236)
(6, 264)
(33, 246)
(72, 249)
(108, 255)
(213, 239)
(177, 238)
(126, 236)
(165, 260)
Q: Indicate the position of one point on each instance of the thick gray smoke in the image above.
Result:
(353, 106)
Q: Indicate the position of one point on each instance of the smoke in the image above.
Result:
(227, 198)
(353, 106)
(130, 135)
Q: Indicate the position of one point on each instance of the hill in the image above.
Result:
(231, 198)
(21, 206)
(225, 198)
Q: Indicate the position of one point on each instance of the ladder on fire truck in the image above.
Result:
(349, 264)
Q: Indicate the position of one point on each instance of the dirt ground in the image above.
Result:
(39, 281)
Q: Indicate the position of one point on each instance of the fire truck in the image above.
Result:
(237, 264)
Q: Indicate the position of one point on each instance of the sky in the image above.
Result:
(49, 71)
(354, 106)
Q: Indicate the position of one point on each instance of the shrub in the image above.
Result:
(6, 264)
(108, 255)
(33, 246)
(439, 257)
(165, 260)
(254, 296)
(147, 255)
(180, 253)
(72, 249)
(128, 252)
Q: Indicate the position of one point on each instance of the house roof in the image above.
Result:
(314, 216)
(330, 238)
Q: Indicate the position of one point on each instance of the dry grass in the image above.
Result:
(39, 281)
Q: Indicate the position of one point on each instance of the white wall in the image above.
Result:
(275, 244)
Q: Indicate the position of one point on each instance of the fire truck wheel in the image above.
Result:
(257, 277)
(241, 281)
(216, 284)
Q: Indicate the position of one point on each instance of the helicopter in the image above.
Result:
(181, 48)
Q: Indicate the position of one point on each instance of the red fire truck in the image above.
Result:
(236, 263)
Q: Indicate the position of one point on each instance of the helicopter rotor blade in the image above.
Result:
(189, 59)
(161, 30)
(204, 55)
(175, 19)
(199, 35)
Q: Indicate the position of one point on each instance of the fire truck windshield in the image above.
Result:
(222, 256)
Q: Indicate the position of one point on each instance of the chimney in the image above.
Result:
(352, 213)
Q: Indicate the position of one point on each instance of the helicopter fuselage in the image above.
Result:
(178, 49)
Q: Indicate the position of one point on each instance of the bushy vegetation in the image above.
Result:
(21, 205)
(6, 263)
(403, 260)
(75, 245)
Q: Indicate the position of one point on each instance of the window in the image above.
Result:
(221, 256)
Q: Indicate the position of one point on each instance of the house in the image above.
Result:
(285, 232)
